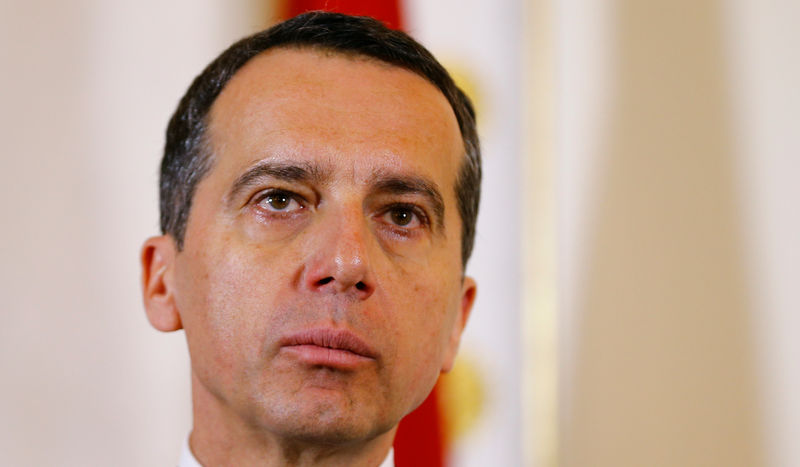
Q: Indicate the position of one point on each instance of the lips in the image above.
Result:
(328, 347)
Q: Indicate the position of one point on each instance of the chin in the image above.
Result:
(326, 422)
(333, 431)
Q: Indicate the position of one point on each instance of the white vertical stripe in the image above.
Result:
(762, 45)
(539, 247)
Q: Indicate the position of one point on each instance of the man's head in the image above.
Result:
(187, 157)
(315, 238)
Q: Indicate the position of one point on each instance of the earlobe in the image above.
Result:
(158, 260)
(468, 291)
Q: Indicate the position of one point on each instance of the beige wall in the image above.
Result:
(664, 361)
(678, 233)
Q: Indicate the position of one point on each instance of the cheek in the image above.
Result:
(224, 305)
(422, 319)
(422, 332)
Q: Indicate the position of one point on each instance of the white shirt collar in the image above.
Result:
(389, 461)
(188, 459)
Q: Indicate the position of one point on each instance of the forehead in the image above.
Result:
(310, 104)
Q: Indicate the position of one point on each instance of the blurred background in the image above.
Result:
(637, 250)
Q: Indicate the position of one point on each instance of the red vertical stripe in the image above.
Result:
(419, 440)
(387, 11)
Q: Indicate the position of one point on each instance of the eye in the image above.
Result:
(401, 216)
(404, 216)
(279, 201)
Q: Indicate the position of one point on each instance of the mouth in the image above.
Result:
(332, 348)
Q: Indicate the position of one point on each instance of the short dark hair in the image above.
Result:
(187, 155)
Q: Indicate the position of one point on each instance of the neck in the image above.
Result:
(220, 436)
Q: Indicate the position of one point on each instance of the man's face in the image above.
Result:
(320, 285)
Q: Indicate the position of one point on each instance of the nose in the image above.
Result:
(338, 260)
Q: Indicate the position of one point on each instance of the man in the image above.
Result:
(319, 189)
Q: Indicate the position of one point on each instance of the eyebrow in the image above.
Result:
(290, 172)
(401, 185)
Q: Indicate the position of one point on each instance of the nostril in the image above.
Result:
(361, 286)
(325, 280)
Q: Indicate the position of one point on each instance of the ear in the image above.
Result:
(158, 266)
(468, 291)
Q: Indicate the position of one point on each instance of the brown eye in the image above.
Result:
(279, 201)
(402, 217)
(405, 216)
